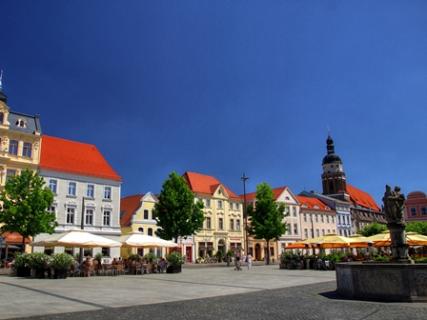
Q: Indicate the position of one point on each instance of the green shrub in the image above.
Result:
(381, 258)
(150, 257)
(175, 259)
(61, 261)
(38, 260)
(135, 257)
(22, 261)
(421, 260)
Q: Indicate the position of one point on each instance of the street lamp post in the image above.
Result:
(244, 178)
(82, 226)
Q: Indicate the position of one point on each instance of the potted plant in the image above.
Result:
(61, 264)
(150, 257)
(229, 255)
(21, 265)
(38, 263)
(175, 261)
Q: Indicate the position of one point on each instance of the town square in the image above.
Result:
(213, 159)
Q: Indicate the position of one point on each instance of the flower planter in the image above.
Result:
(23, 272)
(173, 269)
(60, 274)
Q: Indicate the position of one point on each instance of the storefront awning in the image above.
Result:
(13, 238)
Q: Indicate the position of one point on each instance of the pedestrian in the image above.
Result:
(249, 261)
(237, 263)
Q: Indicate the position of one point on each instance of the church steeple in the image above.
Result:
(333, 177)
(3, 97)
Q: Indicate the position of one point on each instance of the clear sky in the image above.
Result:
(222, 87)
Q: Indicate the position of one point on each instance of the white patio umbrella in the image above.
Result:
(76, 238)
(137, 240)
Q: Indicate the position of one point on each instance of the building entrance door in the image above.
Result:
(258, 252)
(189, 254)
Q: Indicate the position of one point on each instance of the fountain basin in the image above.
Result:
(382, 281)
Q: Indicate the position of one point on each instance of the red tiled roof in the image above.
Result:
(276, 193)
(128, 206)
(312, 203)
(204, 184)
(74, 157)
(13, 238)
(362, 198)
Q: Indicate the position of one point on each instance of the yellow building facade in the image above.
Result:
(223, 227)
(137, 216)
(20, 141)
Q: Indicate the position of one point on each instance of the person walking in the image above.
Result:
(249, 261)
(237, 263)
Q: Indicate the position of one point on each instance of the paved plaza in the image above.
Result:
(265, 292)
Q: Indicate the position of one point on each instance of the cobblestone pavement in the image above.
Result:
(207, 293)
(313, 302)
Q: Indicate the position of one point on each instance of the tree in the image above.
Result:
(177, 213)
(372, 229)
(417, 226)
(266, 218)
(25, 202)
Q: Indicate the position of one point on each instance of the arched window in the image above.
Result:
(141, 230)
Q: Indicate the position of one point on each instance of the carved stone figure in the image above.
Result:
(394, 205)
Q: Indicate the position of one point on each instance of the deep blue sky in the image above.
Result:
(222, 87)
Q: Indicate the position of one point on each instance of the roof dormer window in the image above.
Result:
(21, 123)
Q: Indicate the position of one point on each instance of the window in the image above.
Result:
(20, 123)
(306, 233)
(220, 224)
(26, 151)
(53, 184)
(237, 206)
(289, 227)
(413, 211)
(107, 217)
(305, 217)
(141, 230)
(208, 223)
(294, 211)
(424, 211)
(71, 188)
(317, 217)
(13, 147)
(89, 217)
(52, 209)
(219, 204)
(333, 231)
(90, 192)
(322, 218)
(328, 231)
(317, 233)
(70, 215)
(327, 219)
(238, 224)
(150, 231)
(295, 228)
(208, 203)
(105, 252)
(1, 117)
(10, 173)
(145, 214)
(231, 224)
(107, 193)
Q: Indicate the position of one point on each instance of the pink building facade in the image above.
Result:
(416, 206)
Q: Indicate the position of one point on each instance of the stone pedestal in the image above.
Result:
(399, 248)
(382, 281)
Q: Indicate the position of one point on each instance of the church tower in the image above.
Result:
(333, 177)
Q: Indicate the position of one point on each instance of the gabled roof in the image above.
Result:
(128, 207)
(361, 198)
(312, 203)
(206, 185)
(276, 193)
(74, 157)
